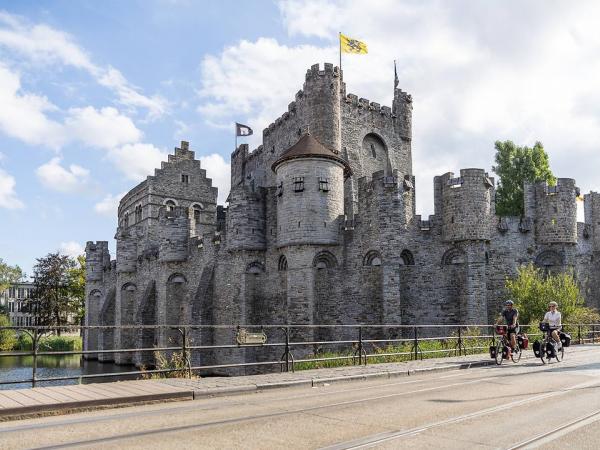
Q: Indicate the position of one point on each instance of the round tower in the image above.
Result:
(467, 205)
(556, 212)
(126, 249)
(173, 234)
(310, 193)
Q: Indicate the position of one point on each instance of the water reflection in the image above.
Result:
(18, 368)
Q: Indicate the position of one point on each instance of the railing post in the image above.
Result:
(459, 341)
(184, 352)
(416, 343)
(579, 333)
(593, 333)
(34, 348)
(360, 346)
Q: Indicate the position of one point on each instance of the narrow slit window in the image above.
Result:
(185, 178)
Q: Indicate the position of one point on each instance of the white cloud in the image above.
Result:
(255, 80)
(8, 196)
(109, 205)
(54, 176)
(478, 72)
(104, 128)
(71, 248)
(44, 45)
(220, 172)
(137, 161)
(23, 115)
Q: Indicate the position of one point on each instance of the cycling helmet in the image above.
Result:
(508, 302)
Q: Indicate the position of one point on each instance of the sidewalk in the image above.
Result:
(63, 399)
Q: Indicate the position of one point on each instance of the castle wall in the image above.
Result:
(354, 253)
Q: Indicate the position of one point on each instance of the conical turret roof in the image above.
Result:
(309, 147)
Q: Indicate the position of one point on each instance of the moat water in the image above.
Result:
(16, 368)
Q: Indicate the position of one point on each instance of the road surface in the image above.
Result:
(524, 405)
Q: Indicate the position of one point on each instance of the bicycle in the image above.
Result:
(501, 350)
(548, 348)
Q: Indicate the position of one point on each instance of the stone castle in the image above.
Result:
(321, 228)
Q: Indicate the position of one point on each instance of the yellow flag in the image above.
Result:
(349, 45)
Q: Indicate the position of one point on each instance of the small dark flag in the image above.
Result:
(395, 76)
(242, 130)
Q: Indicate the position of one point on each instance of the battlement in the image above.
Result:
(367, 105)
(97, 258)
(328, 70)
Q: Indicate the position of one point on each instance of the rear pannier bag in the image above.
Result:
(492, 351)
(537, 349)
(565, 339)
(523, 341)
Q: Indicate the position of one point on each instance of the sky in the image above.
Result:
(93, 95)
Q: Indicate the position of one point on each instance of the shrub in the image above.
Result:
(532, 290)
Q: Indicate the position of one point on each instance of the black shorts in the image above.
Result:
(514, 330)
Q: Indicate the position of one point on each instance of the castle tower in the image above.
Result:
(246, 219)
(126, 249)
(97, 258)
(173, 234)
(322, 105)
(310, 194)
(466, 207)
(402, 110)
(554, 210)
(592, 218)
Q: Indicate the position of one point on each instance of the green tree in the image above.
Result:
(532, 290)
(8, 276)
(77, 288)
(8, 338)
(52, 301)
(514, 166)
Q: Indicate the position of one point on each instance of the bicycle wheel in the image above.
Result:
(499, 348)
(516, 355)
(560, 354)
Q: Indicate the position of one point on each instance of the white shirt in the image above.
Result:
(553, 318)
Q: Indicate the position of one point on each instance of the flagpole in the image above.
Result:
(340, 42)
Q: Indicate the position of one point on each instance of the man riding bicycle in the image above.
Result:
(511, 317)
(553, 318)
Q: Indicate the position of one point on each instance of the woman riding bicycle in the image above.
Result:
(553, 319)
(511, 317)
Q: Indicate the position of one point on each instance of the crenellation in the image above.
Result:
(321, 227)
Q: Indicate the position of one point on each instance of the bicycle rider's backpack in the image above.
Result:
(565, 339)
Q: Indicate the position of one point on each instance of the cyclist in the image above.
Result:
(553, 319)
(511, 317)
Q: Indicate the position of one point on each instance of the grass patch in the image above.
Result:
(51, 343)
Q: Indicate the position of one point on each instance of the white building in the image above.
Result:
(14, 300)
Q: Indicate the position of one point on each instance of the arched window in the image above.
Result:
(255, 267)
(170, 204)
(282, 264)
(96, 293)
(324, 260)
(129, 287)
(453, 256)
(548, 258)
(197, 211)
(373, 146)
(372, 258)
(138, 213)
(177, 278)
(407, 258)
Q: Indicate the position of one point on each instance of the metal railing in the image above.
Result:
(360, 344)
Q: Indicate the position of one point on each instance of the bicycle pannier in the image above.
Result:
(537, 349)
(523, 341)
(565, 339)
(492, 351)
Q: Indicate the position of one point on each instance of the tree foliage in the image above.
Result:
(9, 275)
(532, 290)
(8, 338)
(56, 288)
(77, 287)
(515, 165)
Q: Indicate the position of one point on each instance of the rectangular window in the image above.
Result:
(280, 189)
(298, 184)
(185, 178)
(323, 184)
(20, 292)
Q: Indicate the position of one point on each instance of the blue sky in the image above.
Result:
(94, 94)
